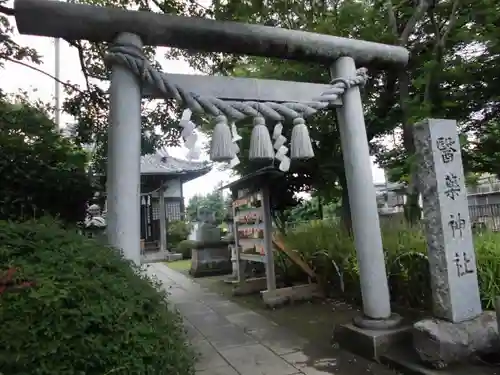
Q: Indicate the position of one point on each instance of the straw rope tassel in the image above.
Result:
(261, 147)
(222, 147)
(301, 147)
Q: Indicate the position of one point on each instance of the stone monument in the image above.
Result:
(210, 255)
(460, 328)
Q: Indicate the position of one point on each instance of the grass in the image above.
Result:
(180, 265)
(330, 251)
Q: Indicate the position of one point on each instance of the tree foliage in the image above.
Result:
(9, 49)
(453, 73)
(90, 104)
(312, 209)
(214, 202)
(44, 173)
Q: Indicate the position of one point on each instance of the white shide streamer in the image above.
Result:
(281, 149)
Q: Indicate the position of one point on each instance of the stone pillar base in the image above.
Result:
(439, 343)
(369, 343)
(365, 322)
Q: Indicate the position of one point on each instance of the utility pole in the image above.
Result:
(57, 75)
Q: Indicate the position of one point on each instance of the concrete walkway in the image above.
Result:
(232, 340)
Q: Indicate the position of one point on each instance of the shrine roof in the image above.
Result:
(260, 177)
(162, 164)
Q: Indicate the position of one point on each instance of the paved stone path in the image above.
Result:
(232, 340)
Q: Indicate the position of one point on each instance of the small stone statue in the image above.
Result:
(94, 222)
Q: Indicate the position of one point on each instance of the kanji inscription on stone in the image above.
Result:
(446, 218)
(452, 183)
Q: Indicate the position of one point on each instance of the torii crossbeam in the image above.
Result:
(78, 21)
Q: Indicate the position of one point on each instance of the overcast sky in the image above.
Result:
(15, 77)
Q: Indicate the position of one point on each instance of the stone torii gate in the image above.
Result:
(229, 100)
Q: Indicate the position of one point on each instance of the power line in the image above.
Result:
(43, 72)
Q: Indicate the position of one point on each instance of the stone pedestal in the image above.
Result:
(213, 259)
(440, 343)
(371, 344)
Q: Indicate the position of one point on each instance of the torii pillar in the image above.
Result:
(124, 159)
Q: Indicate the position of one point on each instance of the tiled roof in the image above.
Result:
(163, 164)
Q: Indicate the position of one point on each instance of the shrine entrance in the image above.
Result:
(277, 109)
(162, 198)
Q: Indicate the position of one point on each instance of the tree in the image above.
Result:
(325, 173)
(443, 79)
(9, 49)
(214, 202)
(312, 209)
(44, 173)
(90, 105)
(452, 73)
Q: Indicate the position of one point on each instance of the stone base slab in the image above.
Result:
(172, 257)
(250, 286)
(368, 343)
(279, 297)
(439, 343)
(160, 256)
(231, 280)
(405, 360)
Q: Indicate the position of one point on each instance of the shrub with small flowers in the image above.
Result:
(71, 306)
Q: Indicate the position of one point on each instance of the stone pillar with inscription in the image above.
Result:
(446, 218)
(450, 249)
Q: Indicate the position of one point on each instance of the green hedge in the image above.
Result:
(177, 231)
(88, 312)
(330, 250)
(185, 247)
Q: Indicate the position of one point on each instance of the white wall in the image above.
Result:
(173, 189)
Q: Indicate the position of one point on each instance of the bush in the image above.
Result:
(177, 231)
(46, 171)
(185, 248)
(330, 251)
(88, 312)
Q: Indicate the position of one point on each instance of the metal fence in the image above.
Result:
(485, 216)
